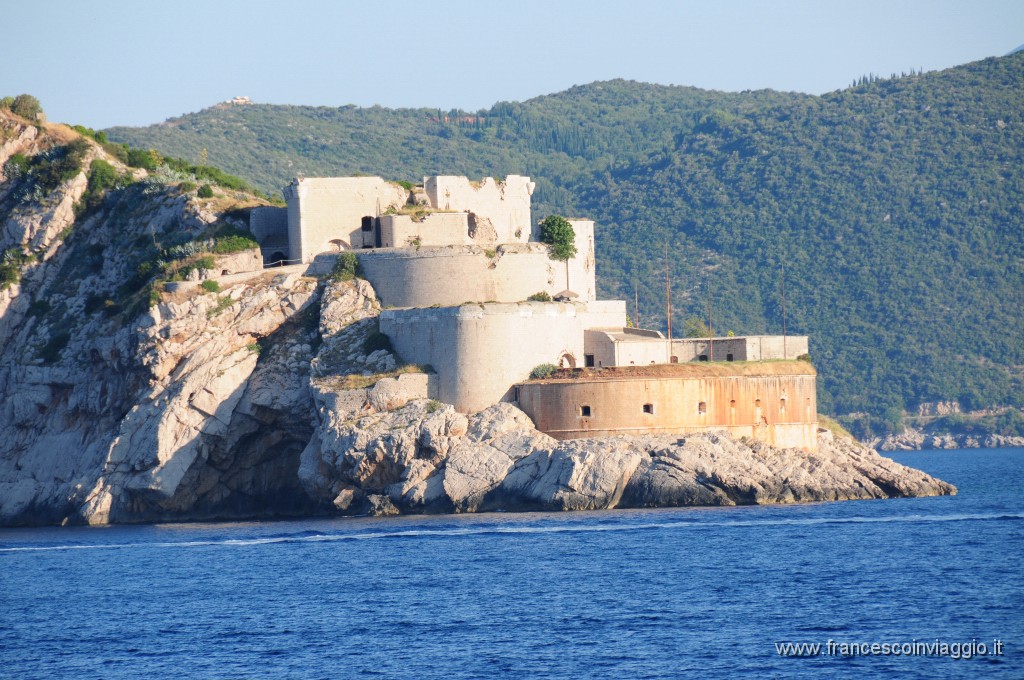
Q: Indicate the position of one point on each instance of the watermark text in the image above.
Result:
(952, 650)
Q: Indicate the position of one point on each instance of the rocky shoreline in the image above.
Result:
(917, 440)
(417, 460)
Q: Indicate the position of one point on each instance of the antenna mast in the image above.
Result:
(785, 354)
(636, 305)
(711, 333)
(668, 300)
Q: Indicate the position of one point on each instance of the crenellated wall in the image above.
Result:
(505, 205)
(775, 403)
(479, 351)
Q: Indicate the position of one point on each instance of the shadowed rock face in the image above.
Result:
(443, 461)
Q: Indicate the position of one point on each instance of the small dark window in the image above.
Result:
(757, 403)
(515, 394)
(702, 407)
(367, 224)
(648, 408)
(703, 357)
(732, 403)
(782, 405)
(673, 359)
(585, 411)
(588, 360)
(728, 357)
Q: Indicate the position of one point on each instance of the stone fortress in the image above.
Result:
(455, 264)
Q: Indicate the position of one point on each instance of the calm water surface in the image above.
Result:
(630, 594)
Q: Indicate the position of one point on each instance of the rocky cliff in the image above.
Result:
(272, 393)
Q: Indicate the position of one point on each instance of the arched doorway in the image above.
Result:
(567, 360)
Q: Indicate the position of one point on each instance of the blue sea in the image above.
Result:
(713, 593)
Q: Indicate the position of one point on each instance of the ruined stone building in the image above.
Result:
(455, 264)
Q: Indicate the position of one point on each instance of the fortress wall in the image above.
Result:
(780, 410)
(690, 349)
(582, 268)
(479, 351)
(743, 348)
(268, 222)
(506, 205)
(411, 277)
(774, 347)
(324, 209)
(436, 229)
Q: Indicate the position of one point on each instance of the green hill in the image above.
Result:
(896, 206)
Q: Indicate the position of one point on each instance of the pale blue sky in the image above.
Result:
(134, 62)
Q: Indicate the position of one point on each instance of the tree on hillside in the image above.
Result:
(26, 106)
(556, 231)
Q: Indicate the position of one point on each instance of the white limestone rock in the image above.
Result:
(495, 459)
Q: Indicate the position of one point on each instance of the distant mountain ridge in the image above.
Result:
(896, 207)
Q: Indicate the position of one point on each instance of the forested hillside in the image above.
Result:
(896, 207)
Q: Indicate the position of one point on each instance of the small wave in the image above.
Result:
(568, 527)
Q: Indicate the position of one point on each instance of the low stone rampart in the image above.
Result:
(452, 275)
(779, 409)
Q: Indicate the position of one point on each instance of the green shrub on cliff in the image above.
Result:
(11, 262)
(233, 243)
(44, 172)
(543, 371)
(102, 177)
(346, 267)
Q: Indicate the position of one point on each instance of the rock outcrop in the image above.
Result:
(427, 458)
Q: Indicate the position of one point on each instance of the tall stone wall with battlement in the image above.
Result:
(479, 351)
(582, 278)
(326, 213)
(501, 206)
